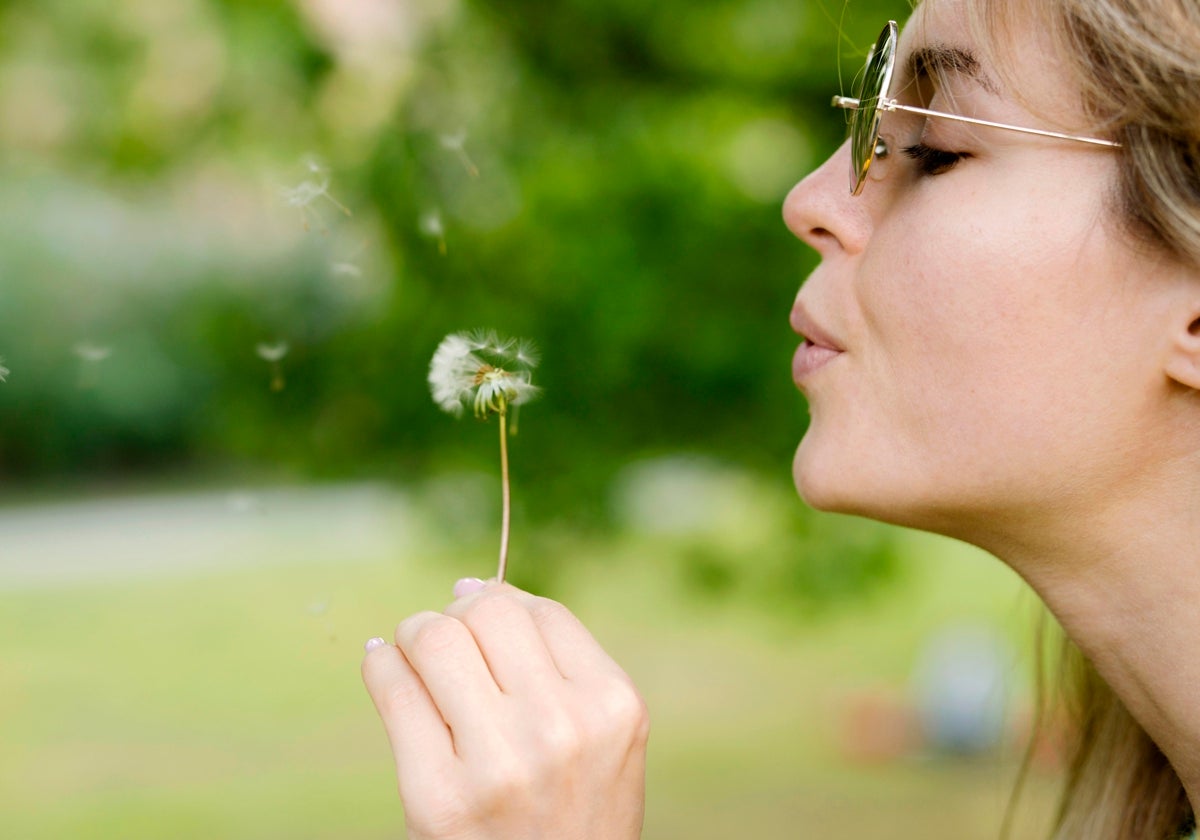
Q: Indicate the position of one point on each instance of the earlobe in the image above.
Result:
(1183, 356)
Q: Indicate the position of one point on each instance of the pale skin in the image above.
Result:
(1015, 372)
(507, 720)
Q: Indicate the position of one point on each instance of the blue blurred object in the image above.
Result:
(962, 682)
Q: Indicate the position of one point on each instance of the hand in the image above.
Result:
(509, 722)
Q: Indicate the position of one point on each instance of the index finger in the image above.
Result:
(418, 734)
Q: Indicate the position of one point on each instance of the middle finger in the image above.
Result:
(509, 638)
(444, 653)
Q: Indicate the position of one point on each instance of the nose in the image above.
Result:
(820, 210)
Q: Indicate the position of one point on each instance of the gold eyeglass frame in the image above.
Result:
(867, 110)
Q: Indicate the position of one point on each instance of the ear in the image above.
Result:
(1183, 351)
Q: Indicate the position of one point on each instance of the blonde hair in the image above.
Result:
(1135, 65)
(1119, 785)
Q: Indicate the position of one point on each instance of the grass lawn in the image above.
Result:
(226, 702)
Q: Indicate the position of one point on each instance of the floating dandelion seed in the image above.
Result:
(490, 374)
(92, 353)
(273, 354)
(89, 355)
(4, 372)
(319, 607)
(345, 269)
(349, 267)
(305, 194)
(431, 226)
(457, 143)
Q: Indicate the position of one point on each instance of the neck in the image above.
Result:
(1125, 585)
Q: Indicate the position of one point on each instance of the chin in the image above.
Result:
(822, 484)
(862, 487)
(828, 483)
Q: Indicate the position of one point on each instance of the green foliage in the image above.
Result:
(631, 156)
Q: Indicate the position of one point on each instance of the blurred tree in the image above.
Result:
(603, 177)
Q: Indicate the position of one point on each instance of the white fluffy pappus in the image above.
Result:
(483, 370)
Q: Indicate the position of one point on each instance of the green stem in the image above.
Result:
(506, 507)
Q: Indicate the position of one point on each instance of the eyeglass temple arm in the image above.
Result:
(852, 104)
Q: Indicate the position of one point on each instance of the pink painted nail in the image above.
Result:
(466, 586)
(371, 644)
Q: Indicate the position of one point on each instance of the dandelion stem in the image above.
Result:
(506, 507)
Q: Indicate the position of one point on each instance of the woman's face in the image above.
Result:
(999, 345)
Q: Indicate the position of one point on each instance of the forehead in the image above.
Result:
(939, 29)
(1017, 65)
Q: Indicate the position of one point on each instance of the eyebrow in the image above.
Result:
(941, 59)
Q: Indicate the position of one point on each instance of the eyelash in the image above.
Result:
(931, 161)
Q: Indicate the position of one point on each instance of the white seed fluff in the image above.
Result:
(92, 353)
(482, 370)
(272, 352)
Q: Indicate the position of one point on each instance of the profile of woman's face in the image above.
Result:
(996, 354)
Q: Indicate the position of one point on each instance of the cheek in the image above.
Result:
(963, 306)
(941, 326)
(982, 364)
(967, 338)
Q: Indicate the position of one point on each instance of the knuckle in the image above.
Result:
(622, 711)
(429, 634)
(560, 737)
(535, 762)
(490, 607)
(502, 783)
(399, 697)
(408, 627)
(394, 692)
(438, 812)
(547, 609)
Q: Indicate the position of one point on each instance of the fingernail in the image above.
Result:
(466, 586)
(371, 644)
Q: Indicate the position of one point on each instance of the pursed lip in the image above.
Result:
(804, 324)
(819, 346)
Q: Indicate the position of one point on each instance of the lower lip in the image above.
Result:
(810, 358)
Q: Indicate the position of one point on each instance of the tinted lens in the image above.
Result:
(864, 120)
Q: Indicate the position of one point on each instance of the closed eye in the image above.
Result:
(931, 161)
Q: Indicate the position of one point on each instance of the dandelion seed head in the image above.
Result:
(452, 373)
(481, 369)
(272, 352)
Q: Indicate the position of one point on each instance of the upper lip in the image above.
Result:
(803, 323)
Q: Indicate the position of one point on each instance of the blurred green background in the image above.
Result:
(195, 539)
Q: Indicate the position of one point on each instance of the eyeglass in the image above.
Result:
(871, 100)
